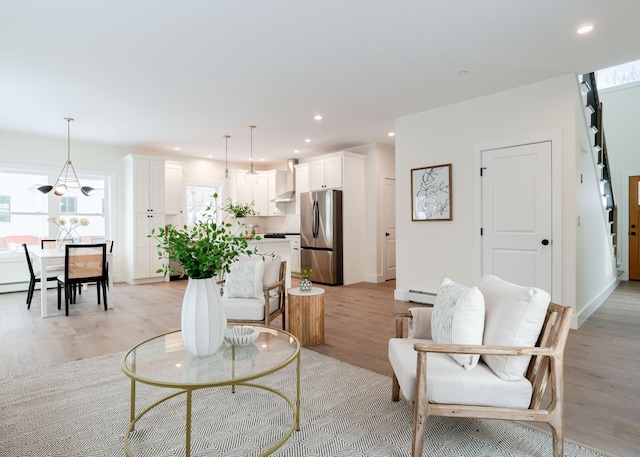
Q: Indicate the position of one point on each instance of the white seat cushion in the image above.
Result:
(247, 309)
(514, 316)
(448, 382)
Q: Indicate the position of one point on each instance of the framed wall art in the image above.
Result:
(431, 193)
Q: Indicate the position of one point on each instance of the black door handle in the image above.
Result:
(386, 233)
(545, 242)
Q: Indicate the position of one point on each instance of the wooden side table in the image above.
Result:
(306, 315)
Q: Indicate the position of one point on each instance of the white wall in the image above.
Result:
(621, 111)
(429, 251)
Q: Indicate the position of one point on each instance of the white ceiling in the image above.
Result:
(160, 74)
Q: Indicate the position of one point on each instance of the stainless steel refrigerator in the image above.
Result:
(321, 235)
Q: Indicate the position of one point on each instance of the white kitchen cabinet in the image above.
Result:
(270, 184)
(145, 253)
(144, 210)
(147, 184)
(174, 200)
(295, 252)
(325, 173)
(302, 182)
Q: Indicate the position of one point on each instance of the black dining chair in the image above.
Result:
(35, 277)
(83, 263)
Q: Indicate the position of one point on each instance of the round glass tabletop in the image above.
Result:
(164, 361)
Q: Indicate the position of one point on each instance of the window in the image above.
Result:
(5, 208)
(619, 75)
(199, 198)
(24, 212)
(68, 205)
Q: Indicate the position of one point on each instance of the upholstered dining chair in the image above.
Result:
(83, 263)
(254, 290)
(35, 276)
(504, 376)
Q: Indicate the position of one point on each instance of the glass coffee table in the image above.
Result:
(163, 361)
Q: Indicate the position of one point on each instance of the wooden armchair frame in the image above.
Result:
(280, 287)
(546, 364)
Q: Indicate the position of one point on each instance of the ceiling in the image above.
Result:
(160, 74)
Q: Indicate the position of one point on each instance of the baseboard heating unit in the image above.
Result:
(419, 296)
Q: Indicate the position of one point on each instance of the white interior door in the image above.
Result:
(516, 214)
(389, 216)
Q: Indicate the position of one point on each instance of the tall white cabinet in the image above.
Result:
(144, 211)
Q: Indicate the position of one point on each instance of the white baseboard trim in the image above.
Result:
(415, 296)
(374, 278)
(581, 317)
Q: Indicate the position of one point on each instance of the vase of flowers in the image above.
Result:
(205, 251)
(67, 233)
(305, 282)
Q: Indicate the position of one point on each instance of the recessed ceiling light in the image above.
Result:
(318, 117)
(295, 151)
(308, 140)
(210, 156)
(261, 160)
(586, 28)
(176, 148)
(391, 134)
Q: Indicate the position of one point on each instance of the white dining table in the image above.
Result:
(55, 257)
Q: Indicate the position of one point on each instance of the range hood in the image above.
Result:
(290, 195)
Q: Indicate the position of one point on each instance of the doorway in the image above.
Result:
(516, 214)
(389, 227)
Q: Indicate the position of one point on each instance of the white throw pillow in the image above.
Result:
(458, 318)
(514, 317)
(245, 280)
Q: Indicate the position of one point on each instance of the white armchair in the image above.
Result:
(504, 376)
(254, 291)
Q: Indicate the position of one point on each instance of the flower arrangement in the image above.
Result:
(65, 229)
(204, 250)
(240, 209)
(304, 274)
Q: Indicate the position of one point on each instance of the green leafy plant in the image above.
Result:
(204, 250)
(240, 209)
(304, 274)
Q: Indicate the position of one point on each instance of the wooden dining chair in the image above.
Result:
(35, 277)
(83, 263)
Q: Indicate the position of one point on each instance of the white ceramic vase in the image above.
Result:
(203, 319)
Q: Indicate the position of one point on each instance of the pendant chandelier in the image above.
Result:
(60, 186)
(251, 177)
(226, 157)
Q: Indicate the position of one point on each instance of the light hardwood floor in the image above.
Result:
(602, 368)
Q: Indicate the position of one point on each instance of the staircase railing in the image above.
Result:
(594, 106)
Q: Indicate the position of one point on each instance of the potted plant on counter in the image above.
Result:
(240, 211)
(205, 251)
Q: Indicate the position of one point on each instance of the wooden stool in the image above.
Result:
(306, 315)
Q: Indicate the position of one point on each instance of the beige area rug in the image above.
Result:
(82, 408)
